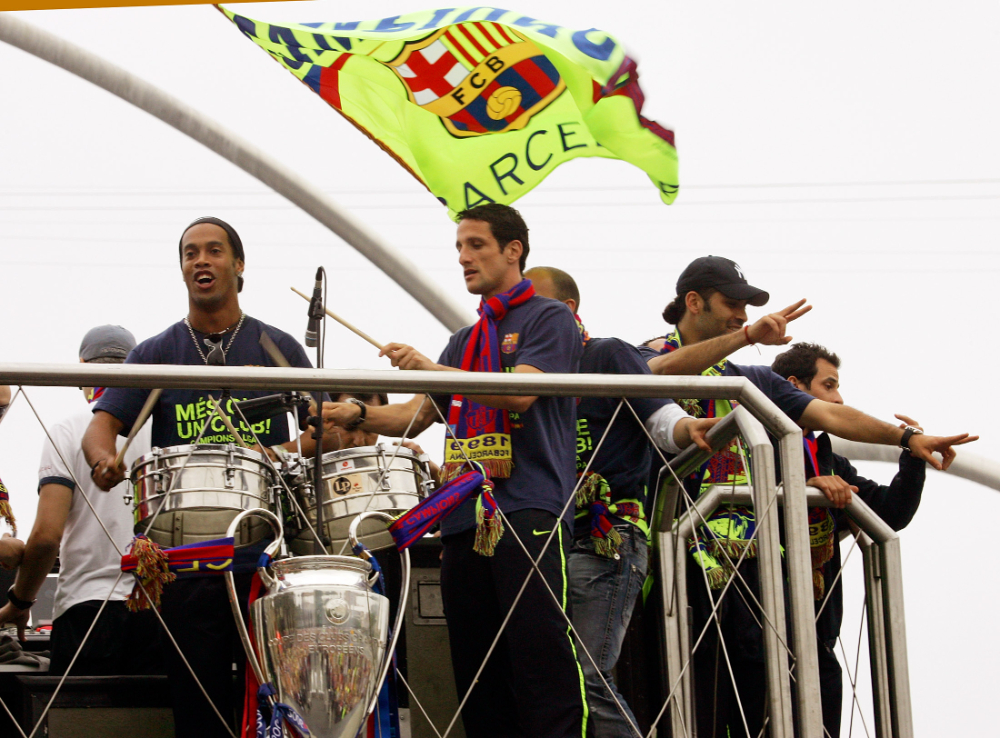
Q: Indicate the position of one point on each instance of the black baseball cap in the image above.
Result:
(722, 274)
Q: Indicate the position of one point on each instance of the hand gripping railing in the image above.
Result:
(751, 399)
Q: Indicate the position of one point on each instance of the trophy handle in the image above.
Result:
(234, 602)
(352, 535)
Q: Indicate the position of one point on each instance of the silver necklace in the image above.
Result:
(219, 344)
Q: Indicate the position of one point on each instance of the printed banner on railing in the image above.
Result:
(479, 104)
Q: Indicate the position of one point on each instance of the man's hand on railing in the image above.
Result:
(699, 428)
(834, 488)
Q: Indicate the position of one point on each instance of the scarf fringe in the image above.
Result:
(489, 525)
(153, 573)
(7, 513)
(492, 468)
(608, 544)
(732, 548)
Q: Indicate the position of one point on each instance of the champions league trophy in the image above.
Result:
(320, 631)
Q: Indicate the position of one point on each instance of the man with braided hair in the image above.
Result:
(215, 332)
(531, 685)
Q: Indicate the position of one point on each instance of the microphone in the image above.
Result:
(315, 311)
(270, 406)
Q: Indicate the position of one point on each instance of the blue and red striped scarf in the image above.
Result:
(480, 433)
(821, 522)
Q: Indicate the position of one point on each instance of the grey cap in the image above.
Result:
(106, 341)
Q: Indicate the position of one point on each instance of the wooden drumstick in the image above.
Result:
(268, 344)
(356, 331)
(151, 401)
(228, 423)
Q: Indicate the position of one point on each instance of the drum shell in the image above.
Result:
(218, 482)
(352, 484)
(321, 634)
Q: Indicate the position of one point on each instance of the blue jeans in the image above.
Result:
(603, 592)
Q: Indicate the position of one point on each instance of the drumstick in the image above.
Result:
(268, 344)
(228, 423)
(151, 401)
(348, 326)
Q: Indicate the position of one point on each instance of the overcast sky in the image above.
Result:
(848, 154)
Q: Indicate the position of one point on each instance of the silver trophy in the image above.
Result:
(321, 633)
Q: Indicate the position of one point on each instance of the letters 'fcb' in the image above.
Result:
(478, 78)
(479, 104)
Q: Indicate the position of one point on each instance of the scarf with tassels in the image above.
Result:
(6, 511)
(156, 567)
(729, 530)
(409, 527)
(481, 433)
(821, 523)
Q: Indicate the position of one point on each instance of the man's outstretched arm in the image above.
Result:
(854, 425)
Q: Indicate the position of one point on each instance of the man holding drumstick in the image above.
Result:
(216, 332)
(532, 683)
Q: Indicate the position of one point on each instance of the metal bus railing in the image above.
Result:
(882, 566)
(755, 415)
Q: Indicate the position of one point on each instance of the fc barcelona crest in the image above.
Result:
(478, 78)
(509, 344)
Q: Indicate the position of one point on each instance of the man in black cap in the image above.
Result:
(709, 313)
(215, 332)
(74, 522)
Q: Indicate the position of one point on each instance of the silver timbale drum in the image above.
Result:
(321, 636)
(358, 480)
(206, 491)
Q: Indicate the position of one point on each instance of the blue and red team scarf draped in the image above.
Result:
(480, 433)
(729, 531)
(156, 567)
(594, 495)
(821, 522)
(6, 511)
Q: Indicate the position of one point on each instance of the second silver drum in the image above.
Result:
(357, 480)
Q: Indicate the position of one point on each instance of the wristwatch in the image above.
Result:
(17, 601)
(908, 433)
(361, 418)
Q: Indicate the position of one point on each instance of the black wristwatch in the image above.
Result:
(17, 601)
(908, 433)
(361, 418)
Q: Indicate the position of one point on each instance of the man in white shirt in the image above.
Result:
(73, 515)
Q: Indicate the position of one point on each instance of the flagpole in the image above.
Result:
(228, 145)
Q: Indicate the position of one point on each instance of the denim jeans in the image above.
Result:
(603, 592)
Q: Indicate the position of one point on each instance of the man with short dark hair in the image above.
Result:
(609, 559)
(707, 330)
(215, 332)
(532, 684)
(73, 522)
(815, 370)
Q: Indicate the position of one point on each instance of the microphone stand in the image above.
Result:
(316, 421)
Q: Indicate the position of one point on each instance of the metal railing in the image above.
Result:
(755, 414)
(883, 584)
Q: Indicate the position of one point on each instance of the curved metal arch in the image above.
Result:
(967, 465)
(228, 145)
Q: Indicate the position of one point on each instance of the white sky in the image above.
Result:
(888, 108)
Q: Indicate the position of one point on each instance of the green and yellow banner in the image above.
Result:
(479, 104)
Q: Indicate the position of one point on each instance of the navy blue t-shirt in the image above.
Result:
(789, 399)
(180, 413)
(541, 333)
(625, 455)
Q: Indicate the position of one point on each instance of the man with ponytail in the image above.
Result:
(709, 313)
(532, 683)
